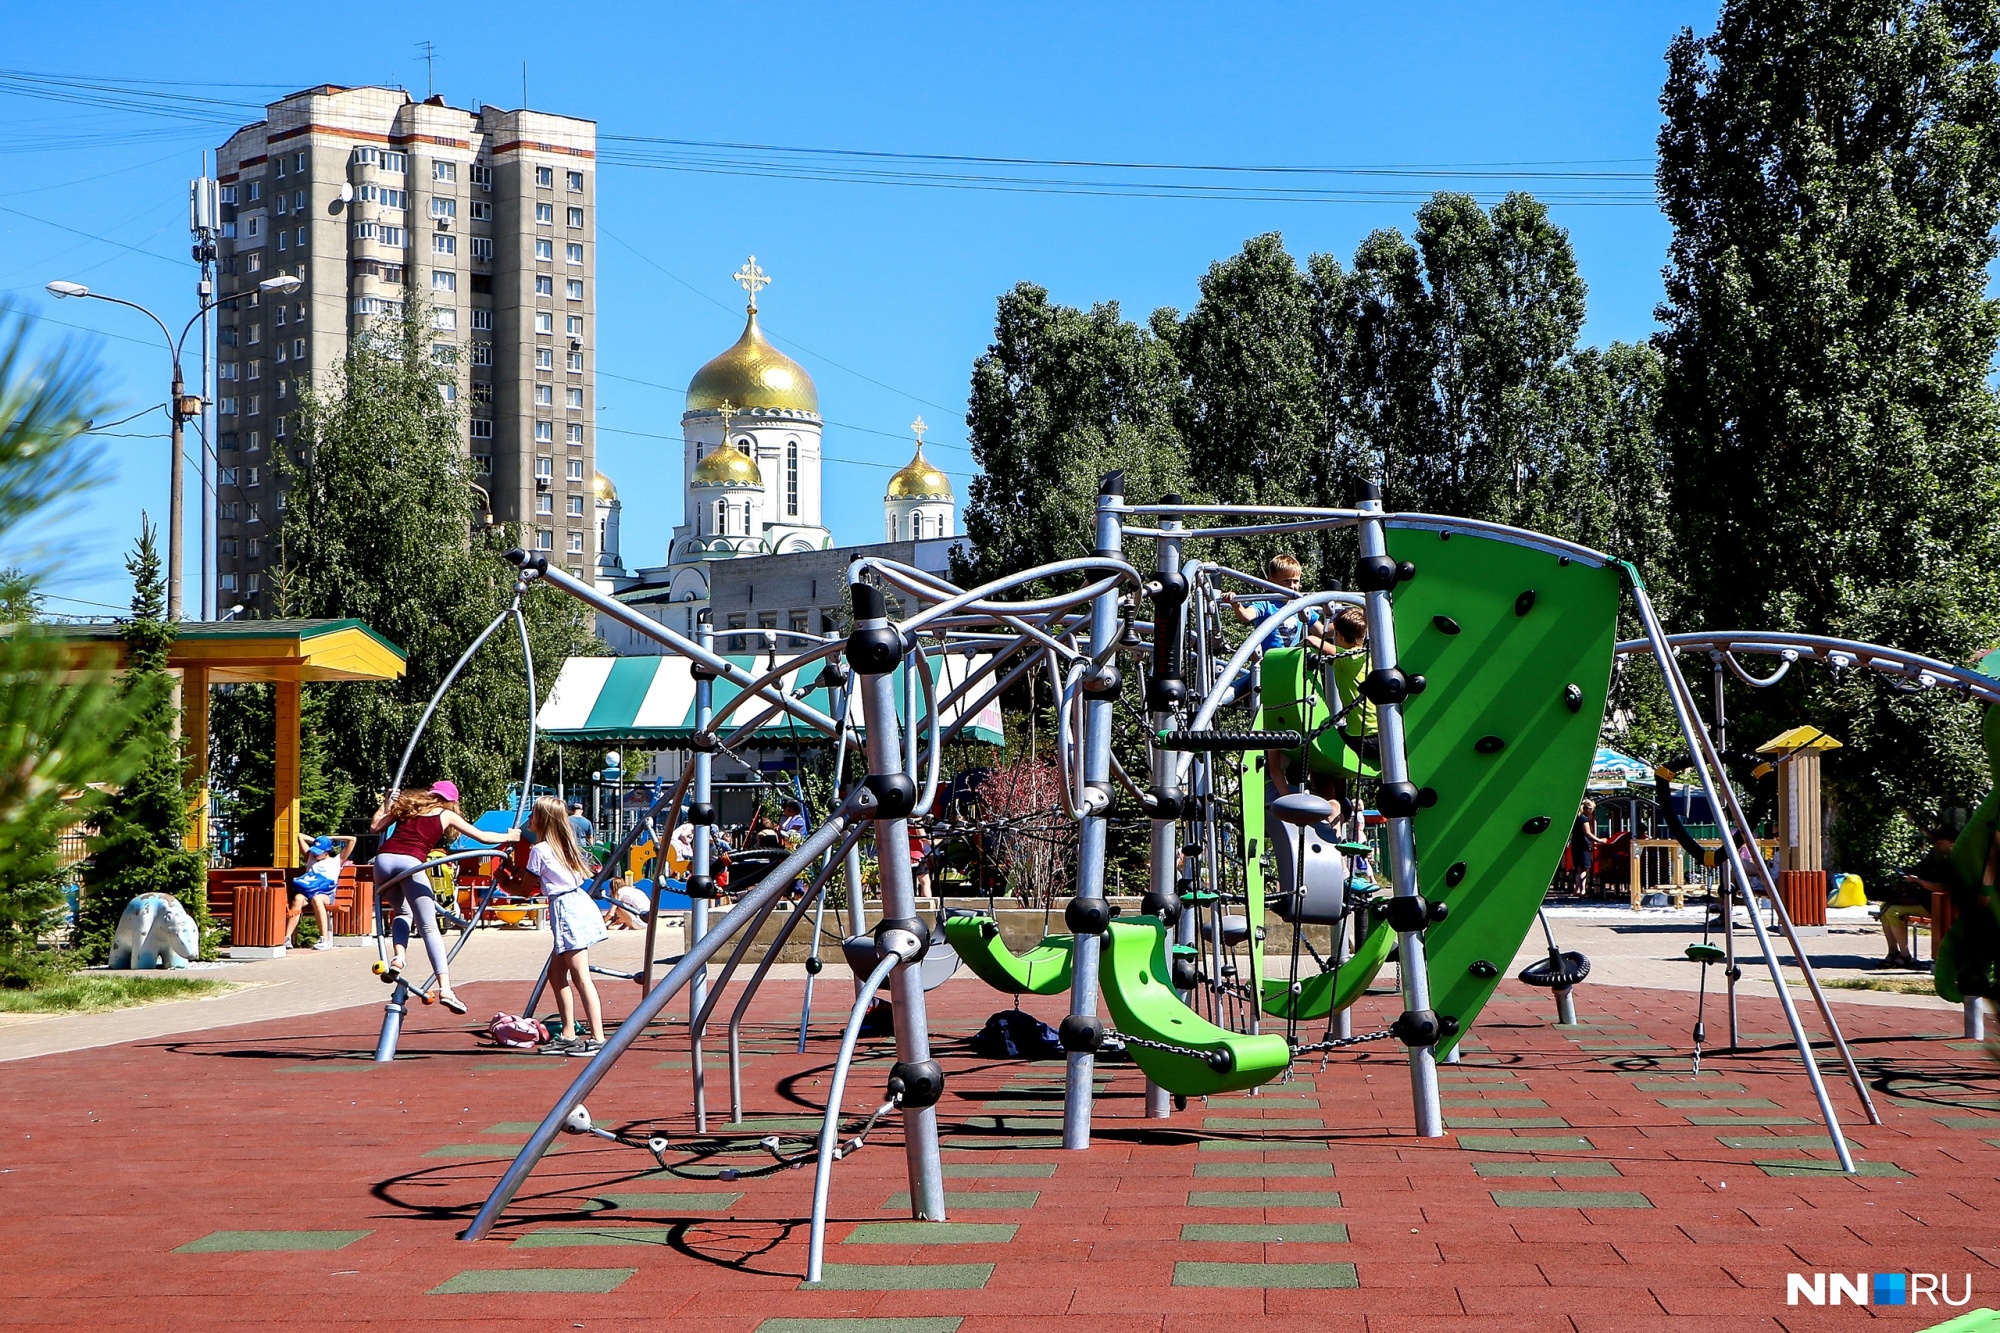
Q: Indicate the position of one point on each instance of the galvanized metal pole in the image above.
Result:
(701, 865)
(1166, 692)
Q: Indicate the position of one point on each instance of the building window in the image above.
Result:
(254, 547)
(227, 546)
(576, 535)
(575, 361)
(283, 207)
(225, 477)
(284, 240)
(398, 238)
(482, 464)
(253, 263)
(396, 162)
(277, 431)
(365, 231)
(252, 227)
(231, 510)
(281, 354)
(444, 208)
(444, 171)
(544, 285)
(574, 469)
(576, 289)
(483, 177)
(482, 429)
(576, 506)
(722, 530)
(545, 251)
(545, 396)
(576, 217)
(545, 504)
(441, 244)
(228, 581)
(545, 176)
(256, 191)
(575, 432)
(576, 182)
(544, 540)
(482, 353)
(445, 319)
(573, 253)
(395, 198)
(482, 248)
(298, 349)
(545, 467)
(229, 441)
(545, 432)
(251, 478)
(443, 280)
(281, 390)
(482, 393)
(545, 321)
(250, 583)
(545, 214)
(545, 358)
(791, 478)
(279, 162)
(256, 442)
(253, 405)
(228, 194)
(302, 238)
(255, 336)
(573, 325)
(226, 371)
(574, 399)
(482, 319)
(482, 211)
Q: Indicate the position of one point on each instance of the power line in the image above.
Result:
(865, 430)
(831, 458)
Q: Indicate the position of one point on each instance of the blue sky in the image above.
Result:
(884, 292)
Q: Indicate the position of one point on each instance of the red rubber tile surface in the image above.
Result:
(115, 1158)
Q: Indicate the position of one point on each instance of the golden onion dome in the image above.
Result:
(602, 487)
(726, 465)
(919, 481)
(753, 375)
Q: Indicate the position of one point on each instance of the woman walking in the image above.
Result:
(425, 821)
(560, 864)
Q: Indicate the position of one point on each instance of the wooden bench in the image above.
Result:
(352, 911)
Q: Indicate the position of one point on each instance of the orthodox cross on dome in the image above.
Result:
(919, 427)
(751, 279)
(727, 411)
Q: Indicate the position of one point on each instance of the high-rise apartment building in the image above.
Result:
(375, 199)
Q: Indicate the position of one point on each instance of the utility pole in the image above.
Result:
(202, 223)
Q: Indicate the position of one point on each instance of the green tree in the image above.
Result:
(1061, 397)
(138, 836)
(379, 527)
(242, 723)
(1832, 174)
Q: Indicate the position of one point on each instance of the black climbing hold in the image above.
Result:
(1524, 603)
(1444, 534)
(1563, 560)
(1418, 684)
(1573, 696)
(1539, 824)
(1484, 970)
(1454, 876)
(1489, 745)
(1445, 624)
(1426, 797)
(1406, 571)
(1221, 1059)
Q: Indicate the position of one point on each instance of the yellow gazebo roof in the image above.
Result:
(249, 651)
(1799, 738)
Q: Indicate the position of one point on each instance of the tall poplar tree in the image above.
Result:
(1832, 173)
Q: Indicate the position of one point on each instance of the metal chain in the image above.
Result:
(1167, 1046)
(1337, 1042)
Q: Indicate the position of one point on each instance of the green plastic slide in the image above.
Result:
(1139, 991)
(1514, 642)
(1043, 970)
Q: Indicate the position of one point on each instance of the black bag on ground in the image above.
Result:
(1014, 1035)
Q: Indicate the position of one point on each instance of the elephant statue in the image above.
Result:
(155, 931)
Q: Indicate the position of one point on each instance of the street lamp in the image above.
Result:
(181, 405)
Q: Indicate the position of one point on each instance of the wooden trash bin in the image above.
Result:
(257, 929)
(354, 905)
(1804, 892)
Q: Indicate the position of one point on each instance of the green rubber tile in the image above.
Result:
(1291, 1101)
(1267, 1233)
(964, 1143)
(1525, 1143)
(1522, 1102)
(1250, 1145)
(1747, 1120)
(1757, 1142)
(1994, 1143)
(900, 1277)
(1570, 1199)
(500, 1281)
(549, 1238)
(672, 1203)
(522, 1128)
(907, 1323)
(973, 1199)
(1263, 1199)
(1309, 1277)
(250, 1242)
(483, 1149)
(1052, 1107)
(994, 1170)
(904, 1324)
(1967, 1121)
(1695, 1083)
(335, 1065)
(1790, 1166)
(932, 1233)
(1263, 1169)
(1689, 1103)
(1506, 1121)
(1258, 1122)
(1546, 1169)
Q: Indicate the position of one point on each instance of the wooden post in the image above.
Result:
(285, 777)
(194, 741)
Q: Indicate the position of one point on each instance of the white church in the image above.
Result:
(751, 548)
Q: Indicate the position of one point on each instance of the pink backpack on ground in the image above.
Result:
(521, 1034)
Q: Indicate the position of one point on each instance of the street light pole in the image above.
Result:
(180, 406)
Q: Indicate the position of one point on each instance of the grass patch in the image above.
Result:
(1896, 986)
(90, 994)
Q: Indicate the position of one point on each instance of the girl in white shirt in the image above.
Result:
(561, 866)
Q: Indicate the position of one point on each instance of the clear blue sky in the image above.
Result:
(884, 292)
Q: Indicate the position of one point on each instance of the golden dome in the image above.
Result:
(601, 485)
(919, 481)
(726, 465)
(753, 375)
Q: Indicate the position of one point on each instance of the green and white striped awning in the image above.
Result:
(637, 699)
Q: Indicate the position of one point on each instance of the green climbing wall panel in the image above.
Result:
(1514, 642)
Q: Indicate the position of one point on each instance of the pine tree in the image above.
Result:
(137, 843)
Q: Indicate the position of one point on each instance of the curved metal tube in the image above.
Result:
(976, 598)
(1736, 668)
(922, 583)
(528, 772)
(770, 679)
(437, 697)
(930, 724)
(829, 1133)
(1831, 652)
(859, 805)
(813, 895)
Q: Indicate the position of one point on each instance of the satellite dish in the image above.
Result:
(346, 193)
